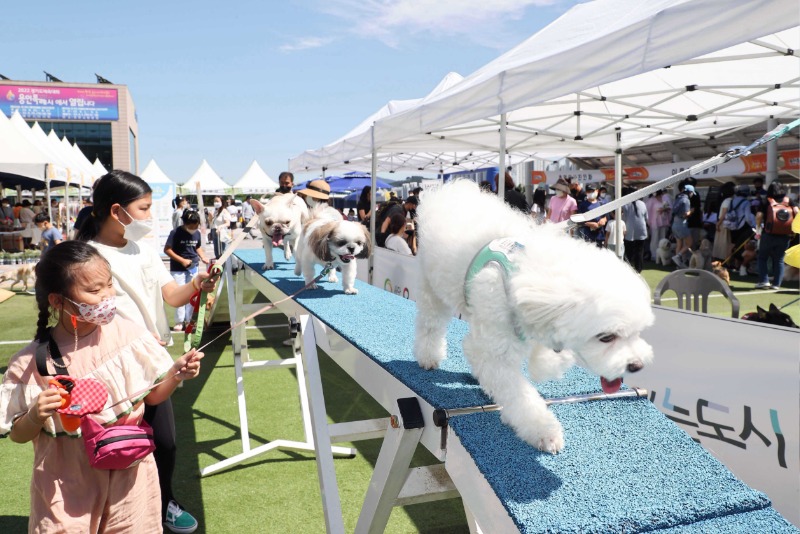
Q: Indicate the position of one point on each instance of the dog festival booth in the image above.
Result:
(625, 466)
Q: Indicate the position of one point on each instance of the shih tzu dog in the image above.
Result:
(527, 291)
(326, 238)
(664, 252)
(280, 222)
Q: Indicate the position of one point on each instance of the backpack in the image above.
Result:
(737, 214)
(779, 218)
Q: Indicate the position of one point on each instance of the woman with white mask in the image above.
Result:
(120, 218)
(220, 223)
(316, 192)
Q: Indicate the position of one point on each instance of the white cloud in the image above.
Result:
(306, 43)
(392, 20)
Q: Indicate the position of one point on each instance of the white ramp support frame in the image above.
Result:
(242, 362)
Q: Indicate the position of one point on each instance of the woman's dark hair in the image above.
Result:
(727, 190)
(190, 217)
(776, 191)
(116, 187)
(223, 199)
(55, 273)
(364, 197)
(40, 218)
(176, 202)
(396, 221)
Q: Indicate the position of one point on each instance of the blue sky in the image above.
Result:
(235, 81)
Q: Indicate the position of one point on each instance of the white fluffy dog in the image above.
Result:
(281, 217)
(328, 239)
(527, 291)
(664, 252)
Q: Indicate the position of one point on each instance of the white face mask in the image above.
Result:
(592, 196)
(312, 202)
(136, 229)
(217, 205)
(602, 195)
(560, 194)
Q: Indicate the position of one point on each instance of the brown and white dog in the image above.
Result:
(280, 220)
(328, 239)
(20, 275)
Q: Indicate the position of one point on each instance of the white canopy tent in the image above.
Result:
(602, 42)
(206, 180)
(152, 174)
(255, 180)
(99, 169)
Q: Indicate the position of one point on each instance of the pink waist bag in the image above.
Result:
(116, 447)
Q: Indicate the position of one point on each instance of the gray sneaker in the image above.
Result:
(679, 261)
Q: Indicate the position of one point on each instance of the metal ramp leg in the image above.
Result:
(242, 363)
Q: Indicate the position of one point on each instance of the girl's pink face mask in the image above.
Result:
(99, 314)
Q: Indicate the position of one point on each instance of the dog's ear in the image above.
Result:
(762, 313)
(774, 309)
(257, 206)
(318, 241)
(367, 250)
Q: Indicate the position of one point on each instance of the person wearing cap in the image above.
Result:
(561, 206)
(681, 211)
(315, 192)
(592, 231)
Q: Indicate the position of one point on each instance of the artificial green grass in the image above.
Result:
(278, 491)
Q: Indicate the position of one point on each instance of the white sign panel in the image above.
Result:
(732, 386)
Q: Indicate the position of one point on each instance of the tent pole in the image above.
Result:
(618, 193)
(203, 240)
(47, 200)
(772, 154)
(372, 201)
(501, 159)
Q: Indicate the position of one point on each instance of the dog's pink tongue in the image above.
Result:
(610, 386)
(277, 237)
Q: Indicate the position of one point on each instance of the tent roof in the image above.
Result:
(209, 181)
(255, 180)
(592, 53)
(99, 168)
(152, 174)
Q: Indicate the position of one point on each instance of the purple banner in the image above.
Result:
(60, 103)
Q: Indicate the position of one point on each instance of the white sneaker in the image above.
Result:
(763, 285)
(742, 271)
(678, 261)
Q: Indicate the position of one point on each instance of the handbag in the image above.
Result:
(112, 447)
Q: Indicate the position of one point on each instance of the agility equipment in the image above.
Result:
(625, 466)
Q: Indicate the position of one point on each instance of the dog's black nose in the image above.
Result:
(351, 248)
(635, 366)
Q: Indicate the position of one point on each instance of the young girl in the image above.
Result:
(184, 250)
(220, 226)
(74, 283)
(121, 216)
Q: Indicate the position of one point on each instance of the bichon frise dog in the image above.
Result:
(527, 291)
(326, 238)
(280, 218)
(664, 252)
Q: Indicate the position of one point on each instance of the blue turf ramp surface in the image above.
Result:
(625, 467)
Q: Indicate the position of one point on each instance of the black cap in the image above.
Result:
(411, 200)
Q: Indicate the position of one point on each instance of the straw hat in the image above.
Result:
(319, 189)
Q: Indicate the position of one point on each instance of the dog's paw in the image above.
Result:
(543, 432)
(312, 286)
(332, 278)
(351, 291)
(268, 266)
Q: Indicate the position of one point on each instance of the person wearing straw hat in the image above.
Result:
(316, 192)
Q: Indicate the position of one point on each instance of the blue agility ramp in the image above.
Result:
(625, 467)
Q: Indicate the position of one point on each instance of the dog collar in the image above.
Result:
(497, 253)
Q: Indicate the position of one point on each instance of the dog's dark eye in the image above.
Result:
(285, 222)
(341, 243)
(606, 338)
(268, 222)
